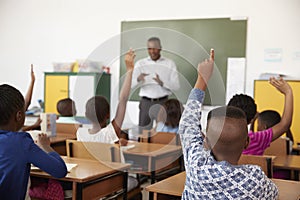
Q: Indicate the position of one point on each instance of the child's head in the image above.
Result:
(226, 133)
(173, 109)
(246, 103)
(97, 109)
(12, 108)
(267, 119)
(66, 107)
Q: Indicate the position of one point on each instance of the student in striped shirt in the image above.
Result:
(261, 140)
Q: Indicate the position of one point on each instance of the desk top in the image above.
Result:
(61, 137)
(291, 162)
(151, 149)
(288, 190)
(85, 170)
(174, 185)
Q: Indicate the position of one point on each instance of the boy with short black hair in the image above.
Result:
(211, 165)
(17, 149)
(97, 111)
(67, 110)
(261, 140)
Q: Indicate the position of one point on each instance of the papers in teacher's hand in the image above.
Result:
(70, 166)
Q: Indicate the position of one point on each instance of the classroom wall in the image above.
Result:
(41, 32)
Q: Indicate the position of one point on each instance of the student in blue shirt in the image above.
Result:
(17, 149)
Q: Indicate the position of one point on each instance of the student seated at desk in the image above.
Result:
(67, 110)
(211, 161)
(266, 120)
(169, 116)
(269, 118)
(261, 140)
(97, 111)
(17, 149)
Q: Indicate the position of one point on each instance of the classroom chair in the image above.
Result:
(279, 147)
(103, 152)
(152, 136)
(67, 128)
(265, 162)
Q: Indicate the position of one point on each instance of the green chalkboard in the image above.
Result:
(188, 42)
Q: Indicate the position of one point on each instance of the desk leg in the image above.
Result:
(296, 175)
(152, 181)
(155, 196)
(125, 185)
(74, 188)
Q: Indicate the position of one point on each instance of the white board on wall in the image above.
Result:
(236, 68)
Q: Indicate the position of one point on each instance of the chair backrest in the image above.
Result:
(265, 162)
(67, 128)
(93, 150)
(279, 147)
(160, 138)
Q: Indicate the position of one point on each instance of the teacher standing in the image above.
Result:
(157, 78)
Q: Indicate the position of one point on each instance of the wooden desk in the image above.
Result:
(58, 142)
(93, 179)
(151, 158)
(289, 162)
(288, 190)
(172, 188)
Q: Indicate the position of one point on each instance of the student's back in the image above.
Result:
(97, 111)
(67, 111)
(261, 140)
(211, 162)
(18, 150)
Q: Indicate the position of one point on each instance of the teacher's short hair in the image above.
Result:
(155, 39)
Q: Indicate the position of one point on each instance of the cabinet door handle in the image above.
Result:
(63, 91)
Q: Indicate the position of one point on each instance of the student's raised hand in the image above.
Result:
(281, 85)
(32, 74)
(205, 68)
(129, 60)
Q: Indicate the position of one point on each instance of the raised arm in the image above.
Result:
(189, 127)
(124, 93)
(205, 70)
(286, 119)
(30, 89)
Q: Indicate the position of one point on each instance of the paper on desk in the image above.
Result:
(69, 166)
(130, 146)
